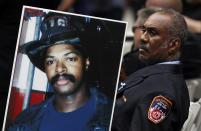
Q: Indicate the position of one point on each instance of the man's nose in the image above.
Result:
(60, 67)
(144, 37)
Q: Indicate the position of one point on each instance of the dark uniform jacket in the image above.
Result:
(154, 98)
(30, 119)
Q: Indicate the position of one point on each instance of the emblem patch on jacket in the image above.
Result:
(159, 109)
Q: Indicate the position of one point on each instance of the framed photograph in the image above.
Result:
(65, 71)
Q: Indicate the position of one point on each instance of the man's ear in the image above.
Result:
(87, 63)
(174, 46)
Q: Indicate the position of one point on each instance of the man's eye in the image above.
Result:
(143, 29)
(50, 62)
(152, 32)
(71, 59)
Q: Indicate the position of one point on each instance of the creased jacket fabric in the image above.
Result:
(30, 119)
(135, 100)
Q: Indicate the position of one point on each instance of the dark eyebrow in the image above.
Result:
(72, 52)
(153, 28)
(49, 57)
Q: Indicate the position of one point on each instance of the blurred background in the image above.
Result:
(126, 10)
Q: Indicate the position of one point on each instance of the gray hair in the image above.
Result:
(178, 27)
(144, 13)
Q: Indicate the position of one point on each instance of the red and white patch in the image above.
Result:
(159, 109)
(156, 114)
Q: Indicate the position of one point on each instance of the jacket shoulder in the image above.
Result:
(101, 118)
(27, 116)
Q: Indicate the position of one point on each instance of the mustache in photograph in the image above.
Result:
(65, 76)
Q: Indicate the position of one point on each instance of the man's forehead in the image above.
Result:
(61, 49)
(158, 20)
(137, 22)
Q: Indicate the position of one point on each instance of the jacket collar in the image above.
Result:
(145, 72)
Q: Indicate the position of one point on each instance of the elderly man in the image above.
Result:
(61, 54)
(155, 98)
(131, 61)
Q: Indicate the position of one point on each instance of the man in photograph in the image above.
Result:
(75, 106)
(155, 98)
